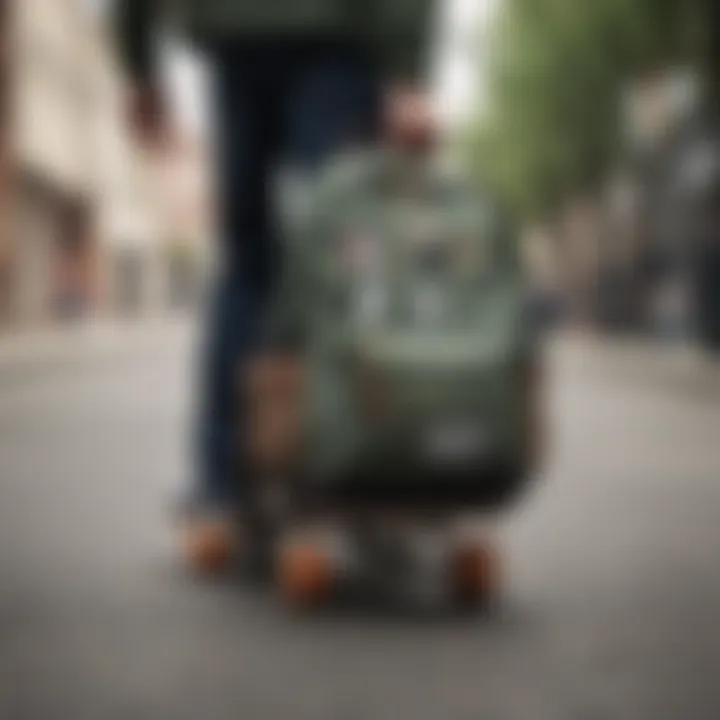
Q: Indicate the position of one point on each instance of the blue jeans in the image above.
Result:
(277, 102)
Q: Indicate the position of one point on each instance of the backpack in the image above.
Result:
(403, 285)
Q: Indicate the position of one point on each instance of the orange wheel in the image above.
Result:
(305, 575)
(474, 570)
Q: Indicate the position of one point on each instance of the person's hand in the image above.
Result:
(409, 118)
(148, 115)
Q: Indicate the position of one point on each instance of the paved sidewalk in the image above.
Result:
(636, 361)
(641, 361)
(72, 345)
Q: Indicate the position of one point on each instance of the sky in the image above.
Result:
(460, 62)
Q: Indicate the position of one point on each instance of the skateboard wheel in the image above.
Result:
(474, 575)
(305, 574)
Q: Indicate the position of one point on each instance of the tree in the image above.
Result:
(559, 69)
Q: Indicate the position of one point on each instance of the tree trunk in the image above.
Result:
(713, 55)
(707, 270)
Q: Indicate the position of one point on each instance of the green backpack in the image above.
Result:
(404, 285)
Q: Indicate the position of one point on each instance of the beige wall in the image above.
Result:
(68, 129)
(55, 92)
(69, 121)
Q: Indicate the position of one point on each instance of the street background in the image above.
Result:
(598, 124)
(609, 608)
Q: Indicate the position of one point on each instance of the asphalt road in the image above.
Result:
(612, 598)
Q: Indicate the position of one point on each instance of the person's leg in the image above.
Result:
(333, 102)
(327, 98)
(330, 99)
(244, 106)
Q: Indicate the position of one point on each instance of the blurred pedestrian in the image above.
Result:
(294, 81)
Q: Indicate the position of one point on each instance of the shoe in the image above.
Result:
(210, 544)
(219, 541)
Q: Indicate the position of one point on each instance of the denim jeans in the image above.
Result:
(277, 102)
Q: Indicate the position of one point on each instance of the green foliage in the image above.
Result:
(558, 71)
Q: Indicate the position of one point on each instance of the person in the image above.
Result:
(293, 83)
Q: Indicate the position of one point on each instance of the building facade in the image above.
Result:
(77, 195)
(130, 216)
(50, 239)
(649, 246)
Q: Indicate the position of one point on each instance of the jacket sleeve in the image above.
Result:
(405, 28)
(135, 26)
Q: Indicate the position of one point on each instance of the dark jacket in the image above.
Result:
(396, 30)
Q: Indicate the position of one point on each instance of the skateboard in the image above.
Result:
(424, 562)
(446, 558)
